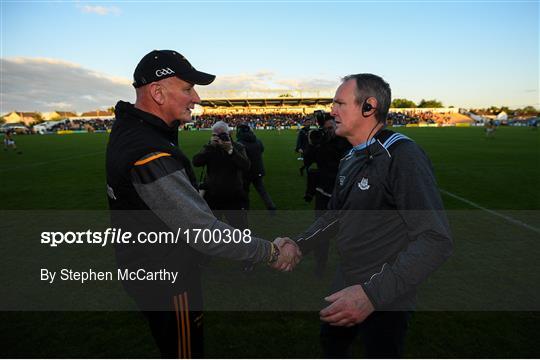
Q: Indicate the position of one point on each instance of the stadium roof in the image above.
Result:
(264, 102)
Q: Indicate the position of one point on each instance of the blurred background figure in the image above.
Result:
(254, 149)
(302, 143)
(9, 142)
(490, 128)
(326, 150)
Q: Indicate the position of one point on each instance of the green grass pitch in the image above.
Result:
(494, 258)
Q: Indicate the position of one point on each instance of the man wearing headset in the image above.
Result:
(392, 232)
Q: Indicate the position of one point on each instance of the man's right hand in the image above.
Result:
(226, 145)
(289, 254)
(214, 141)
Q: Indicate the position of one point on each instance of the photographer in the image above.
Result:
(225, 161)
(326, 150)
(302, 140)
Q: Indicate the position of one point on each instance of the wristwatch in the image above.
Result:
(274, 255)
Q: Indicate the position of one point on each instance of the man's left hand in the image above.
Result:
(349, 307)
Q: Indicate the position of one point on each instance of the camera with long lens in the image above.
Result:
(319, 136)
(224, 136)
(321, 117)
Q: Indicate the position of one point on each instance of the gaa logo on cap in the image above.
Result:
(162, 72)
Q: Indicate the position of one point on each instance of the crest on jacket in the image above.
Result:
(363, 184)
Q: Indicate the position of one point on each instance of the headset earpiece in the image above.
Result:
(367, 107)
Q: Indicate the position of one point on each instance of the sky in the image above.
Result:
(80, 55)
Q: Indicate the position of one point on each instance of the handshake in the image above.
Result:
(289, 254)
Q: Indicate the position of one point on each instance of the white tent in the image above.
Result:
(502, 116)
(477, 118)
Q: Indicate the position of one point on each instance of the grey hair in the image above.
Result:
(220, 127)
(369, 85)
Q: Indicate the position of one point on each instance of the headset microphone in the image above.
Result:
(367, 107)
(370, 156)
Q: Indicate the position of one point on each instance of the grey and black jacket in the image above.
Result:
(151, 186)
(392, 231)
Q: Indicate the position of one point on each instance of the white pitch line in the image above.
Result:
(492, 212)
(26, 166)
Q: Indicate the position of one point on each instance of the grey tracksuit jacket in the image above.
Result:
(392, 231)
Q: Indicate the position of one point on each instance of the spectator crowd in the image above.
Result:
(89, 125)
(264, 121)
(414, 117)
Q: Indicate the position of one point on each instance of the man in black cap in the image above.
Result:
(147, 172)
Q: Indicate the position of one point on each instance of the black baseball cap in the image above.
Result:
(161, 64)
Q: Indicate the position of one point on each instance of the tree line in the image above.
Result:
(494, 110)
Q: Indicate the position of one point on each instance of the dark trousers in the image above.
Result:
(178, 333)
(382, 333)
(258, 184)
(233, 209)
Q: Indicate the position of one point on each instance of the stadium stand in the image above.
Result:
(283, 112)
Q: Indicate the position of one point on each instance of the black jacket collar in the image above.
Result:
(125, 111)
